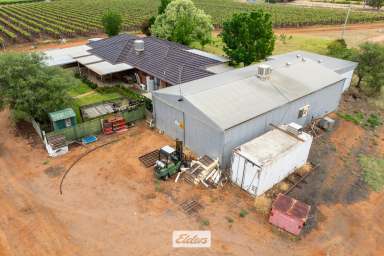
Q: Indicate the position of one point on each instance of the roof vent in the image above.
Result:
(320, 61)
(264, 71)
(288, 64)
(298, 56)
(139, 45)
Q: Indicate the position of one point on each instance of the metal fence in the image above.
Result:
(94, 127)
(37, 128)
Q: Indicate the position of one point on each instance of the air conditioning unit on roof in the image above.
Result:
(264, 71)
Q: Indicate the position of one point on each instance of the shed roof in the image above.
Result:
(269, 146)
(89, 59)
(62, 114)
(233, 97)
(338, 65)
(169, 61)
(106, 68)
(64, 56)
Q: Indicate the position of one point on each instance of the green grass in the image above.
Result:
(372, 121)
(17, 1)
(301, 42)
(373, 171)
(205, 222)
(291, 43)
(96, 98)
(356, 118)
(78, 90)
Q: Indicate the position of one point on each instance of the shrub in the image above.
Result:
(374, 121)
(243, 213)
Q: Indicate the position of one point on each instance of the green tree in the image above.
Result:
(27, 86)
(163, 6)
(182, 22)
(112, 23)
(376, 3)
(147, 24)
(339, 49)
(370, 70)
(248, 37)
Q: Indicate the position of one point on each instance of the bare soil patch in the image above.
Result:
(112, 205)
(54, 171)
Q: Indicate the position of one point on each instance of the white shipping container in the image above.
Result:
(266, 160)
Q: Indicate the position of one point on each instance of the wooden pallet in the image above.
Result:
(206, 160)
(191, 206)
(56, 141)
(150, 158)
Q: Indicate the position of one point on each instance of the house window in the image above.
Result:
(303, 112)
(68, 122)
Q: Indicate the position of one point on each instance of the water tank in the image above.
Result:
(139, 45)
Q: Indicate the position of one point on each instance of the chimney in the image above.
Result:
(139, 45)
(264, 71)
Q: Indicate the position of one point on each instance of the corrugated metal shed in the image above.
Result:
(223, 111)
(236, 96)
(335, 64)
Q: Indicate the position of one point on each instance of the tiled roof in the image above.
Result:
(168, 61)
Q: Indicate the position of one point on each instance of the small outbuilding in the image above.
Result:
(62, 119)
(265, 161)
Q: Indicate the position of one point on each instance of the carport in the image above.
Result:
(104, 68)
(66, 56)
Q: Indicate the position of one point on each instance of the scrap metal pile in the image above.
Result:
(205, 171)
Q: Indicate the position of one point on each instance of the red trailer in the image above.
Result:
(289, 214)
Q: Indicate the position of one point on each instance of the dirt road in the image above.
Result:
(112, 206)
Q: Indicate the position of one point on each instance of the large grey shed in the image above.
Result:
(343, 67)
(216, 114)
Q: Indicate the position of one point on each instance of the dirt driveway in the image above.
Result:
(112, 205)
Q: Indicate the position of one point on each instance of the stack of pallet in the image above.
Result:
(205, 171)
(114, 124)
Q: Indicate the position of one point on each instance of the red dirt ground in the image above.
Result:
(111, 206)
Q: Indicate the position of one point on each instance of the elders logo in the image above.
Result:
(191, 239)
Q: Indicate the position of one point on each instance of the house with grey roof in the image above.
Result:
(215, 114)
(154, 63)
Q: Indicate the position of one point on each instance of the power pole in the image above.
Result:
(346, 21)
